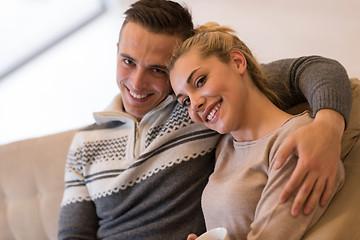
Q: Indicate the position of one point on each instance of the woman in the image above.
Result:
(215, 75)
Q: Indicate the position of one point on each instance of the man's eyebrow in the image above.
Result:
(127, 56)
(162, 67)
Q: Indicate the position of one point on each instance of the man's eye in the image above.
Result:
(128, 62)
(159, 70)
(200, 81)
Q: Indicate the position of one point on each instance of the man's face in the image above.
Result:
(142, 75)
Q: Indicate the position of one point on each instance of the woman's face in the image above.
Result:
(213, 91)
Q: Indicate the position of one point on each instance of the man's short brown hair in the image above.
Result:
(161, 16)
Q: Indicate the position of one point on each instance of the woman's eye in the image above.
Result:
(200, 82)
(186, 102)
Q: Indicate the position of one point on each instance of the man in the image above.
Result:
(139, 172)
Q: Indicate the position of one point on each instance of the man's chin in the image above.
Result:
(134, 112)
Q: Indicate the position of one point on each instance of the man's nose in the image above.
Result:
(138, 80)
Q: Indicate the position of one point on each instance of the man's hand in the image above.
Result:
(318, 146)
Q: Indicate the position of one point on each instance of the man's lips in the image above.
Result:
(137, 96)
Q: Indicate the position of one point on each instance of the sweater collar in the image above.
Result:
(115, 110)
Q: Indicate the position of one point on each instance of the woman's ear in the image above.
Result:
(239, 61)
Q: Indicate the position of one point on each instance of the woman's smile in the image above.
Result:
(212, 113)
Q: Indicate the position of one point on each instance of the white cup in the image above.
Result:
(215, 234)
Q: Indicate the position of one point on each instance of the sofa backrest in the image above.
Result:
(31, 186)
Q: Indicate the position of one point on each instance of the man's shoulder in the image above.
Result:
(107, 125)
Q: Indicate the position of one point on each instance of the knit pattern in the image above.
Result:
(98, 151)
(100, 165)
(179, 118)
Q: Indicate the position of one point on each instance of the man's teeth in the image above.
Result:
(138, 96)
(212, 113)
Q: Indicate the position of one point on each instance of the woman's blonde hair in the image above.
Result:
(212, 39)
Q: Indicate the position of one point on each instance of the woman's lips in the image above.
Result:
(211, 111)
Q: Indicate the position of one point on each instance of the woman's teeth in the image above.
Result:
(212, 113)
(138, 96)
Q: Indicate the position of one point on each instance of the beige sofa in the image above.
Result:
(31, 186)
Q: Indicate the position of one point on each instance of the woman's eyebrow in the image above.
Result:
(188, 81)
(191, 74)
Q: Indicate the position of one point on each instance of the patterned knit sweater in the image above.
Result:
(115, 169)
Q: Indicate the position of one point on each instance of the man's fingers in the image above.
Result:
(293, 183)
(284, 152)
(302, 195)
(329, 189)
(314, 197)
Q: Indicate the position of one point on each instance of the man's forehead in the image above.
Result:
(141, 45)
(133, 29)
(145, 57)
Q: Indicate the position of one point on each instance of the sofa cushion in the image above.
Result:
(31, 186)
(341, 218)
(352, 131)
(343, 214)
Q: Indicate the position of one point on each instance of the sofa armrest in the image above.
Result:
(31, 186)
(341, 218)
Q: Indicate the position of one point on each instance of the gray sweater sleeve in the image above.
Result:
(323, 82)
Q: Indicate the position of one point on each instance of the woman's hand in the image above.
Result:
(192, 237)
(318, 146)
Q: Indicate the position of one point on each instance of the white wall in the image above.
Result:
(60, 89)
(276, 29)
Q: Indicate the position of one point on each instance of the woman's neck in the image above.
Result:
(261, 118)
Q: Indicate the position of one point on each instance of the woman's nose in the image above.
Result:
(198, 104)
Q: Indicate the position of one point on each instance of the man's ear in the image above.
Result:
(239, 61)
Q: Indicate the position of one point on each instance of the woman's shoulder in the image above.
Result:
(290, 126)
(295, 122)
